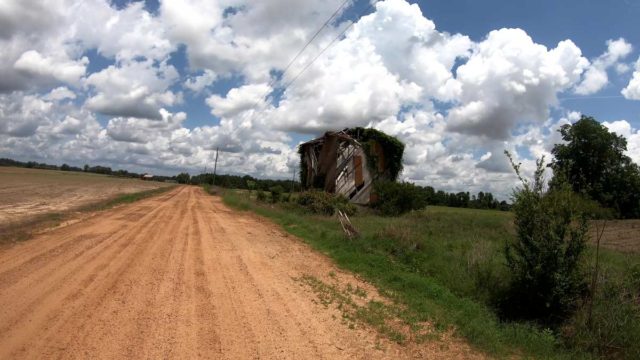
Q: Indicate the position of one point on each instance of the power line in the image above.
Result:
(314, 36)
(371, 5)
(272, 82)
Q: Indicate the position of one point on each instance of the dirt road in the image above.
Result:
(177, 276)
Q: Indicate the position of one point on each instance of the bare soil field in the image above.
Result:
(620, 235)
(26, 193)
(180, 275)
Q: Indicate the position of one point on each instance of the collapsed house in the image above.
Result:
(348, 162)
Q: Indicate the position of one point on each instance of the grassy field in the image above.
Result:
(621, 235)
(443, 264)
(30, 198)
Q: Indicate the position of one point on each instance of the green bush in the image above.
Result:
(395, 198)
(545, 258)
(276, 193)
(261, 195)
(323, 203)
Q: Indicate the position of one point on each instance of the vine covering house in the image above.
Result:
(348, 162)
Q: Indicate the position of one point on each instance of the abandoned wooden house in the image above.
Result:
(348, 162)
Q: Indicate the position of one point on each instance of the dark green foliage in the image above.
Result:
(251, 185)
(392, 148)
(323, 203)
(545, 258)
(276, 193)
(183, 178)
(592, 160)
(484, 200)
(261, 196)
(395, 198)
(245, 182)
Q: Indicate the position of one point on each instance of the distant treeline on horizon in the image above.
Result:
(105, 170)
(483, 200)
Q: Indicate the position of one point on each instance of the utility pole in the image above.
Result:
(215, 166)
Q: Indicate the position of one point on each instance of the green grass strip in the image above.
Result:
(433, 298)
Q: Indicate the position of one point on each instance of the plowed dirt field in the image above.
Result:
(179, 275)
(27, 193)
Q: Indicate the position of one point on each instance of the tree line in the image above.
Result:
(97, 169)
(245, 182)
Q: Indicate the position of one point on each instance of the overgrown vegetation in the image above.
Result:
(322, 203)
(373, 143)
(392, 150)
(545, 258)
(447, 267)
(441, 263)
(395, 198)
(608, 323)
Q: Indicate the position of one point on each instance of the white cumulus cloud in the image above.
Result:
(596, 76)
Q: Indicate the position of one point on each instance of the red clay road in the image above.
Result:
(177, 276)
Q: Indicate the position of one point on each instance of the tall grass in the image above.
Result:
(444, 264)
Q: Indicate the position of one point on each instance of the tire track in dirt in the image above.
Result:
(83, 281)
(178, 276)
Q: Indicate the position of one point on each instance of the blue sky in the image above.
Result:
(588, 23)
(156, 85)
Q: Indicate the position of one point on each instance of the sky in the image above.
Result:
(157, 86)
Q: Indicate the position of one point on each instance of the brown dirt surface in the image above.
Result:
(27, 193)
(620, 235)
(180, 275)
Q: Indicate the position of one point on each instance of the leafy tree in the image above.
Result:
(183, 178)
(592, 160)
(545, 257)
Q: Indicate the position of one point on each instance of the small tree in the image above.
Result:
(251, 185)
(276, 193)
(545, 258)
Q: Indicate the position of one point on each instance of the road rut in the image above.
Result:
(176, 276)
